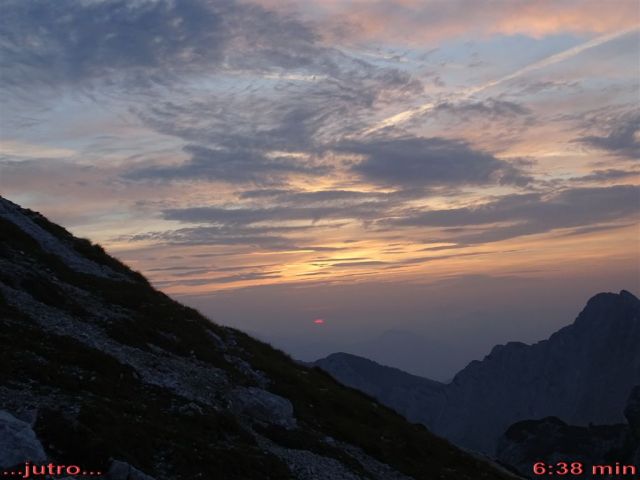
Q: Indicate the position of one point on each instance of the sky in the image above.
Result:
(428, 178)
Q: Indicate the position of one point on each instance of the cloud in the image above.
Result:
(290, 210)
(232, 129)
(489, 108)
(71, 42)
(132, 46)
(241, 165)
(596, 228)
(443, 247)
(607, 175)
(245, 276)
(264, 136)
(422, 23)
(533, 87)
(268, 238)
(262, 193)
(370, 263)
(251, 216)
(268, 229)
(623, 138)
(467, 93)
(219, 280)
(419, 260)
(281, 220)
(336, 198)
(147, 42)
(419, 161)
(516, 215)
(12, 149)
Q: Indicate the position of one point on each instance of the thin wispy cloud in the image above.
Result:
(407, 115)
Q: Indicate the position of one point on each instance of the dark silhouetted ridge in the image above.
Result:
(582, 374)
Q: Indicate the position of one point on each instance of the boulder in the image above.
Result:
(18, 442)
(263, 406)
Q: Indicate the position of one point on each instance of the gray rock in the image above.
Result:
(216, 340)
(190, 409)
(123, 471)
(310, 466)
(53, 245)
(258, 377)
(18, 442)
(263, 406)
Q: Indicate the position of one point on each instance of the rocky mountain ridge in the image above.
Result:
(101, 370)
(582, 374)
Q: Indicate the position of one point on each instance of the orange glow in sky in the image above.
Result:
(413, 141)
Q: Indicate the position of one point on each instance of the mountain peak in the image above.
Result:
(603, 307)
(627, 295)
(624, 296)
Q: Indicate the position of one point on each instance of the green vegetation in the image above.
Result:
(144, 432)
(349, 415)
(85, 247)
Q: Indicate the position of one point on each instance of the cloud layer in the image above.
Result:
(328, 140)
(414, 162)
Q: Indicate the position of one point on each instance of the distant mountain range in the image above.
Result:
(98, 369)
(582, 374)
(411, 352)
(405, 349)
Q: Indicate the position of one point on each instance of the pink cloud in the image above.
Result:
(420, 21)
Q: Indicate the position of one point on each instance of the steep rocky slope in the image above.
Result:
(99, 369)
(583, 373)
